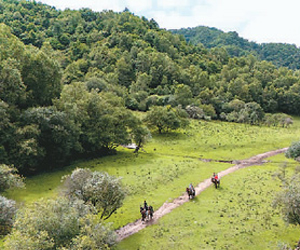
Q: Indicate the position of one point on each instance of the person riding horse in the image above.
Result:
(150, 212)
(146, 211)
(145, 205)
(216, 180)
(191, 191)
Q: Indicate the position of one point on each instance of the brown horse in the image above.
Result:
(143, 213)
(147, 214)
(150, 213)
(191, 192)
(216, 182)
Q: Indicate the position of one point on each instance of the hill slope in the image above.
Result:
(280, 54)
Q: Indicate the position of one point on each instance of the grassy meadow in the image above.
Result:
(239, 215)
(170, 163)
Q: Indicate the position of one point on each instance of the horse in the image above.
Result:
(150, 213)
(190, 192)
(216, 182)
(143, 213)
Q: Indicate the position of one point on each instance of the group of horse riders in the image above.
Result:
(191, 190)
(146, 211)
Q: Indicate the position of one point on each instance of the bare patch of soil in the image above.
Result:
(167, 207)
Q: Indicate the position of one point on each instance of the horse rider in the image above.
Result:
(145, 205)
(151, 209)
(191, 187)
(217, 177)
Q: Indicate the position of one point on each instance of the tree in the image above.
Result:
(163, 118)
(183, 95)
(289, 200)
(103, 191)
(294, 151)
(42, 77)
(57, 224)
(12, 89)
(8, 179)
(195, 112)
(57, 139)
(7, 214)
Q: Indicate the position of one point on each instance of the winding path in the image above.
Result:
(167, 207)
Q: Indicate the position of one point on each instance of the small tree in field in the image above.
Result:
(7, 214)
(9, 178)
(294, 151)
(103, 191)
(288, 200)
(165, 118)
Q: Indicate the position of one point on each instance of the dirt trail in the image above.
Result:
(167, 207)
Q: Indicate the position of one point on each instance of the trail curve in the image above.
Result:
(167, 207)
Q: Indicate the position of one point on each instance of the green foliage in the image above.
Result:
(7, 213)
(287, 55)
(293, 151)
(111, 62)
(57, 224)
(289, 198)
(171, 160)
(9, 178)
(163, 118)
(101, 190)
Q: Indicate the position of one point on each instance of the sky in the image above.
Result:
(260, 21)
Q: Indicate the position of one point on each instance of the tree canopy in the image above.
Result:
(69, 81)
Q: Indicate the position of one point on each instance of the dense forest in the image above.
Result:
(70, 79)
(280, 54)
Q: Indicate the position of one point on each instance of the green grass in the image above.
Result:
(237, 216)
(170, 163)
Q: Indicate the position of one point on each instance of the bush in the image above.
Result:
(7, 214)
(294, 151)
(58, 224)
(103, 191)
(9, 178)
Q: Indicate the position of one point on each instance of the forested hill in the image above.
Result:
(69, 80)
(280, 54)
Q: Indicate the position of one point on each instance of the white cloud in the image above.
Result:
(116, 5)
(139, 6)
(173, 3)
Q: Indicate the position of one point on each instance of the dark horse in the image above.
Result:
(191, 192)
(143, 213)
(216, 182)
